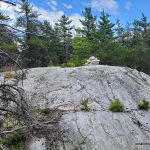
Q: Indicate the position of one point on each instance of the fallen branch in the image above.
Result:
(25, 127)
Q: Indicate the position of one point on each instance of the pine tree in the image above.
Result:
(63, 28)
(89, 25)
(142, 30)
(7, 37)
(33, 46)
(119, 30)
(105, 28)
(52, 43)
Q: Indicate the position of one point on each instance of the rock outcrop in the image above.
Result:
(98, 129)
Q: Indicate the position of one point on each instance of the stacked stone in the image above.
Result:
(92, 61)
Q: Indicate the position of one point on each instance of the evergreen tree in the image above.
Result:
(63, 29)
(105, 28)
(81, 50)
(52, 43)
(127, 36)
(119, 32)
(142, 28)
(7, 37)
(89, 25)
(33, 48)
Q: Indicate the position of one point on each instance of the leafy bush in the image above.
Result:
(84, 104)
(18, 147)
(70, 64)
(80, 63)
(116, 106)
(46, 111)
(62, 65)
(144, 104)
(15, 139)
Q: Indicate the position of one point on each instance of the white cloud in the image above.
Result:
(8, 10)
(52, 4)
(128, 5)
(67, 6)
(110, 6)
(50, 16)
(54, 16)
(75, 20)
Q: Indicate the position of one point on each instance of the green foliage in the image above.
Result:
(15, 139)
(81, 50)
(63, 65)
(80, 62)
(89, 24)
(70, 64)
(34, 53)
(76, 62)
(6, 40)
(116, 106)
(43, 45)
(46, 111)
(144, 104)
(64, 32)
(81, 43)
(64, 28)
(3, 17)
(105, 28)
(18, 147)
(84, 104)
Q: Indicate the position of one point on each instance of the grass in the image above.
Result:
(46, 111)
(16, 140)
(144, 104)
(84, 104)
(116, 106)
(8, 73)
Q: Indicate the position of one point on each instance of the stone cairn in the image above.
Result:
(92, 61)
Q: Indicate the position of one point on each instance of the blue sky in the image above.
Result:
(125, 10)
(52, 10)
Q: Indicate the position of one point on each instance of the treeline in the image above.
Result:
(39, 44)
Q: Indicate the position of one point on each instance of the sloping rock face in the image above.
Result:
(98, 129)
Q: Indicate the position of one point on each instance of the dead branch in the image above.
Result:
(13, 100)
(24, 32)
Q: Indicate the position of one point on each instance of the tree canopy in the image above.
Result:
(40, 44)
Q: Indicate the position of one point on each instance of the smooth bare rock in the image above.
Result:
(37, 144)
(98, 129)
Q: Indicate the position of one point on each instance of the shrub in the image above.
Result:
(18, 147)
(84, 104)
(62, 65)
(15, 139)
(80, 63)
(144, 104)
(116, 106)
(46, 111)
(70, 64)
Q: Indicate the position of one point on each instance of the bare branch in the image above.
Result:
(23, 32)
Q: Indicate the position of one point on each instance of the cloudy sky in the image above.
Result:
(52, 10)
